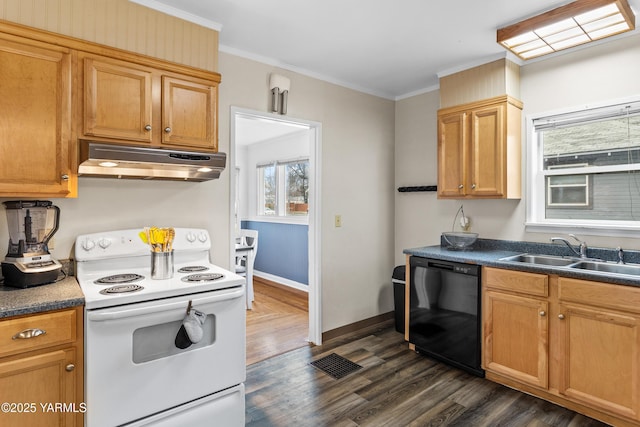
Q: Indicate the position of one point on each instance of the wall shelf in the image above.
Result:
(417, 189)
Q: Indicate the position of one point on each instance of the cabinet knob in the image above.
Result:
(167, 129)
(561, 316)
(543, 313)
(70, 367)
(460, 186)
(64, 177)
(473, 186)
(147, 127)
(29, 333)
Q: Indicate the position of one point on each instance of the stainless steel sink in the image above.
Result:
(574, 263)
(605, 267)
(556, 261)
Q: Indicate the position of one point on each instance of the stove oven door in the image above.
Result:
(134, 370)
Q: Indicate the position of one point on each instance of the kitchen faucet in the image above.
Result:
(583, 245)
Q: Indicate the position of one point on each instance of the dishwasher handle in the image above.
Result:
(454, 267)
(120, 312)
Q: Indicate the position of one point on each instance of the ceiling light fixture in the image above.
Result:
(576, 23)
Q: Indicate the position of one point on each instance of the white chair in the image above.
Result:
(246, 250)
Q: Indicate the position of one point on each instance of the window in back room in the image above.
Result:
(584, 168)
(283, 188)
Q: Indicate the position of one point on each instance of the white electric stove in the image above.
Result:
(136, 374)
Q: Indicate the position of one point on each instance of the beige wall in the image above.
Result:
(357, 183)
(595, 74)
(121, 24)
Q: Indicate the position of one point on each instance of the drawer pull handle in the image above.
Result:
(70, 367)
(561, 316)
(29, 333)
(542, 313)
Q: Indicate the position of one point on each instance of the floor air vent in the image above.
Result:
(336, 366)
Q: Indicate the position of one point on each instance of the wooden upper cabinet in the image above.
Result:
(479, 150)
(487, 163)
(117, 100)
(35, 119)
(452, 129)
(127, 103)
(189, 115)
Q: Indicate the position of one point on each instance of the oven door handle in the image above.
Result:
(110, 314)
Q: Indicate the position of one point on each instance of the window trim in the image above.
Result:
(260, 208)
(535, 179)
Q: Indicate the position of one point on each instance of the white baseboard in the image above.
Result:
(287, 282)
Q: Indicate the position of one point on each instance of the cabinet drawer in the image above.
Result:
(59, 328)
(516, 281)
(599, 294)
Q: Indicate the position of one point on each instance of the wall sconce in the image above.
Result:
(279, 86)
(576, 23)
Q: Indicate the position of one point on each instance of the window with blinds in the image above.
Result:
(583, 167)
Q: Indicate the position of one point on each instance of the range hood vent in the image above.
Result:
(120, 161)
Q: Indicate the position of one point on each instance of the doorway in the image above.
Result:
(252, 127)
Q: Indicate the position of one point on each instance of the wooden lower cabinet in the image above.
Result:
(575, 342)
(600, 345)
(41, 382)
(516, 337)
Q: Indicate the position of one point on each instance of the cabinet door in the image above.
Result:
(35, 119)
(32, 386)
(601, 358)
(516, 337)
(117, 100)
(487, 152)
(189, 114)
(452, 131)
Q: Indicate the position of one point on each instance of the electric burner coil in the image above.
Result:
(192, 269)
(119, 279)
(204, 277)
(121, 289)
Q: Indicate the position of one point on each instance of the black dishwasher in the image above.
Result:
(444, 312)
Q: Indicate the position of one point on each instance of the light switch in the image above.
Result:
(338, 221)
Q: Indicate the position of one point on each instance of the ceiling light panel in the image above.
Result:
(571, 25)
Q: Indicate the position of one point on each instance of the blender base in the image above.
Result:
(17, 278)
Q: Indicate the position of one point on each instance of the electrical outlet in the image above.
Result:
(338, 221)
(51, 244)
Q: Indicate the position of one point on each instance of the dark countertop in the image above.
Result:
(487, 252)
(54, 296)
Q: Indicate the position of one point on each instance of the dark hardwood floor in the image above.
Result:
(395, 387)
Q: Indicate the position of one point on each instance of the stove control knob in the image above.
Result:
(104, 243)
(88, 244)
(202, 237)
(191, 237)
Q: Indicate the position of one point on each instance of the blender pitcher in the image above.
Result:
(31, 225)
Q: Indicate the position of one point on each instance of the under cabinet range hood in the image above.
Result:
(119, 161)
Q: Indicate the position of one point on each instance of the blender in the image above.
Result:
(31, 224)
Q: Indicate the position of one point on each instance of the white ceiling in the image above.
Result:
(391, 49)
(250, 130)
